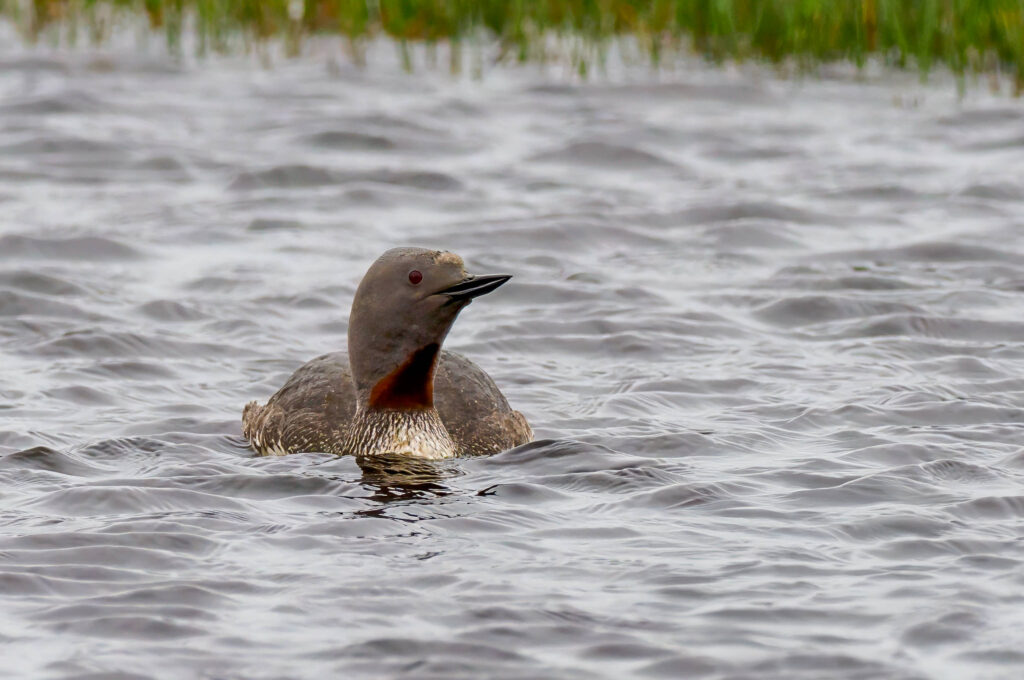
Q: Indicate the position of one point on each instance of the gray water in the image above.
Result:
(770, 334)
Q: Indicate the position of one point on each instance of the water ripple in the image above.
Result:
(769, 338)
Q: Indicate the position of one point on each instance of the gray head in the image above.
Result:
(402, 311)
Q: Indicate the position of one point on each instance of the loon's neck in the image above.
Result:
(390, 380)
(412, 432)
(395, 412)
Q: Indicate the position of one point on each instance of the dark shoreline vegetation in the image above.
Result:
(966, 36)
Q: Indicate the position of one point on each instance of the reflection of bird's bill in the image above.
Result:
(475, 286)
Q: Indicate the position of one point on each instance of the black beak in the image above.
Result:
(475, 286)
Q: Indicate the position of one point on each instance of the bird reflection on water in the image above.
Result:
(396, 477)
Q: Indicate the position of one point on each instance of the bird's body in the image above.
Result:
(316, 411)
(395, 390)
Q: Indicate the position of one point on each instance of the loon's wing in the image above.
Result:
(311, 412)
(473, 409)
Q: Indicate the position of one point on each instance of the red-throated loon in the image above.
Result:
(396, 390)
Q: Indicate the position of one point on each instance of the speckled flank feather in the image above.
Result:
(273, 432)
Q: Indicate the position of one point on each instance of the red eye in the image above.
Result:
(415, 277)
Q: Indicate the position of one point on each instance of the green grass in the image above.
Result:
(967, 36)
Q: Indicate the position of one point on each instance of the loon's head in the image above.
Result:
(402, 311)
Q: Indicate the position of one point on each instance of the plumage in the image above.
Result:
(402, 393)
(314, 410)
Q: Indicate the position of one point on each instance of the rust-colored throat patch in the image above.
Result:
(411, 385)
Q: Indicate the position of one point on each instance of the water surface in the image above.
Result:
(770, 335)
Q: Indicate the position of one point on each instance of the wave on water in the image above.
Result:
(769, 338)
